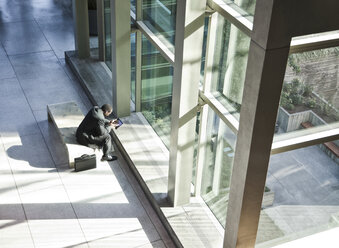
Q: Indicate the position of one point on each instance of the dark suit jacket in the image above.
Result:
(94, 124)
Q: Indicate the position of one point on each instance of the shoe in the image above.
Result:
(108, 158)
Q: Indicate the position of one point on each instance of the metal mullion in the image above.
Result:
(304, 138)
(161, 47)
(210, 50)
(204, 111)
(314, 43)
(221, 111)
(233, 15)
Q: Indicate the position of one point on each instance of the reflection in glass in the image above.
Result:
(301, 197)
(219, 150)
(156, 96)
(310, 94)
(108, 40)
(133, 5)
(229, 65)
(247, 7)
(203, 55)
(159, 16)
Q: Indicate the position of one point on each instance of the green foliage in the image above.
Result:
(293, 64)
(292, 94)
(311, 103)
(296, 93)
(307, 90)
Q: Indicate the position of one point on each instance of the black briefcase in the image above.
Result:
(85, 162)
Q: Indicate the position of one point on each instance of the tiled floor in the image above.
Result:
(42, 202)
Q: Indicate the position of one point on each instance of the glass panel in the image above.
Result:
(196, 146)
(229, 65)
(219, 150)
(310, 94)
(159, 16)
(301, 196)
(247, 7)
(133, 66)
(203, 55)
(133, 5)
(108, 41)
(156, 96)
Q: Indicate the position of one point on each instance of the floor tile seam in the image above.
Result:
(17, 190)
(136, 191)
(28, 53)
(73, 208)
(62, 183)
(39, 27)
(282, 186)
(20, 20)
(37, 190)
(24, 93)
(288, 224)
(6, 78)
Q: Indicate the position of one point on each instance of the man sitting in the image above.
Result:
(95, 130)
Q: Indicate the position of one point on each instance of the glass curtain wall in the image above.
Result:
(108, 40)
(301, 197)
(283, 200)
(159, 16)
(156, 96)
(133, 5)
(218, 165)
(247, 7)
(133, 66)
(229, 65)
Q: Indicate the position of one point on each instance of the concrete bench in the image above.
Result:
(67, 117)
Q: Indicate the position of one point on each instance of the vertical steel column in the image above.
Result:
(188, 48)
(121, 56)
(81, 28)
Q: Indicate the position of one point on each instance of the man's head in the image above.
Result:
(107, 109)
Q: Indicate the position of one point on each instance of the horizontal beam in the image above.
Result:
(220, 110)
(303, 138)
(231, 12)
(314, 42)
(154, 39)
(299, 44)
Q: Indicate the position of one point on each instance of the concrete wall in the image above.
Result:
(282, 118)
(290, 122)
(316, 120)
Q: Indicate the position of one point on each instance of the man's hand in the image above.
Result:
(114, 123)
(91, 138)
